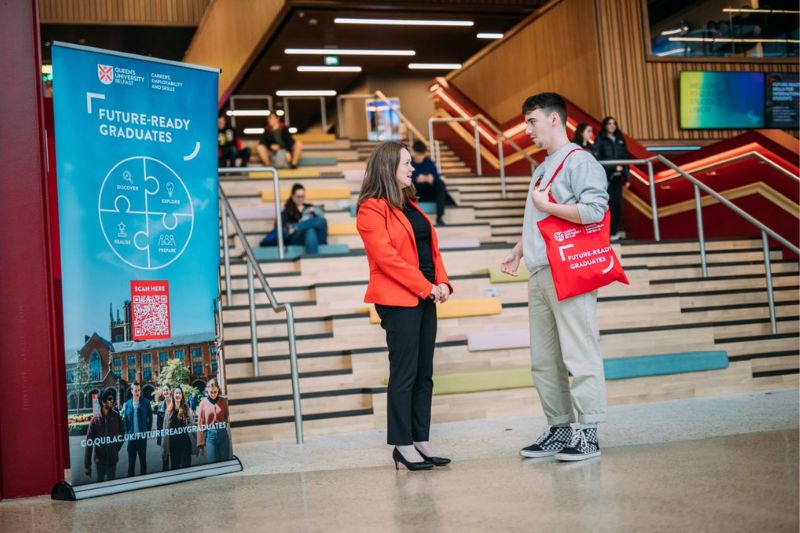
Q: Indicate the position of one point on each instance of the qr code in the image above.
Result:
(150, 316)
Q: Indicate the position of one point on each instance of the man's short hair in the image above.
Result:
(418, 147)
(135, 384)
(548, 103)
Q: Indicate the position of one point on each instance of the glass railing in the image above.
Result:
(705, 29)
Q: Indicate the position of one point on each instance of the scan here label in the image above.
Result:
(150, 310)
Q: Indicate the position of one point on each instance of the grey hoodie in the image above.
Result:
(581, 181)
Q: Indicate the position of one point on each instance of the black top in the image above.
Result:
(422, 234)
(607, 148)
(281, 137)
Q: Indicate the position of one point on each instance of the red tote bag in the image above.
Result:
(580, 255)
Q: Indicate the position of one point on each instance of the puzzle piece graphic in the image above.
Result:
(152, 205)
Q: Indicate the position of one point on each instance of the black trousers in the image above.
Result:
(615, 202)
(137, 447)
(229, 159)
(411, 336)
(106, 471)
(433, 192)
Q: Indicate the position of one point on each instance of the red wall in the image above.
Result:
(32, 395)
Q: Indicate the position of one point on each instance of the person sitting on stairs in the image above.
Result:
(430, 186)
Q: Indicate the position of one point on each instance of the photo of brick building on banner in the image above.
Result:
(102, 363)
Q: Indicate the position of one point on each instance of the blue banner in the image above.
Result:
(136, 155)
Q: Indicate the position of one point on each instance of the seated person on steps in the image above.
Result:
(230, 151)
(303, 224)
(430, 187)
(277, 147)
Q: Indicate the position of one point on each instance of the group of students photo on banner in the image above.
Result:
(183, 434)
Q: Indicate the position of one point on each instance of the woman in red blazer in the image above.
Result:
(406, 280)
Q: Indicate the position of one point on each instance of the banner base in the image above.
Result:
(65, 491)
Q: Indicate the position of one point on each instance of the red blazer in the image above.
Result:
(394, 274)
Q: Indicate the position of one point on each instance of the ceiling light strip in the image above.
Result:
(319, 68)
(402, 22)
(248, 113)
(347, 52)
(313, 92)
(490, 35)
(434, 66)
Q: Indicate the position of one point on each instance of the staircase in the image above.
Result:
(668, 309)
(451, 164)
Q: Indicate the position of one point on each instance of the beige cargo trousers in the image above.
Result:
(565, 341)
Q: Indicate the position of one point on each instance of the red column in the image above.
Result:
(32, 384)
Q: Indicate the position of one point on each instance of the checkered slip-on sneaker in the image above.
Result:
(584, 446)
(549, 443)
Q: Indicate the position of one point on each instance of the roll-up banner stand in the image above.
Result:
(136, 158)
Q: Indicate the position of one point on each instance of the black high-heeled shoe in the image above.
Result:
(398, 458)
(436, 461)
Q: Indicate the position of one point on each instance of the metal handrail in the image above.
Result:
(698, 186)
(651, 184)
(322, 111)
(380, 96)
(253, 267)
(756, 155)
(235, 97)
(403, 118)
(474, 119)
(276, 191)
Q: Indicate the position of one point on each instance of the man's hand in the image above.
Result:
(201, 449)
(541, 199)
(88, 471)
(627, 185)
(510, 264)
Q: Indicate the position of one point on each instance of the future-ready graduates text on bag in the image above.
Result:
(580, 255)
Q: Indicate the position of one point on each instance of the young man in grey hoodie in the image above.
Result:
(564, 335)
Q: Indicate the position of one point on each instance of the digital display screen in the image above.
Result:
(783, 100)
(721, 100)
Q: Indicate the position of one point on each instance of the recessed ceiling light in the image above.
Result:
(348, 52)
(274, 68)
(489, 35)
(292, 130)
(434, 66)
(279, 112)
(402, 22)
(248, 113)
(313, 92)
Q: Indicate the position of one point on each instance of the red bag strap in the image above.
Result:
(562, 165)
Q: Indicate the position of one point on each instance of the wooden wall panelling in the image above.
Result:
(140, 12)
(548, 52)
(230, 34)
(553, 49)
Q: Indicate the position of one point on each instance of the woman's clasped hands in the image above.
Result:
(440, 293)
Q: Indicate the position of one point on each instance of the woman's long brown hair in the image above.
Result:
(379, 178)
(183, 409)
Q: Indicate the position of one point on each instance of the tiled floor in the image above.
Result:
(665, 476)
